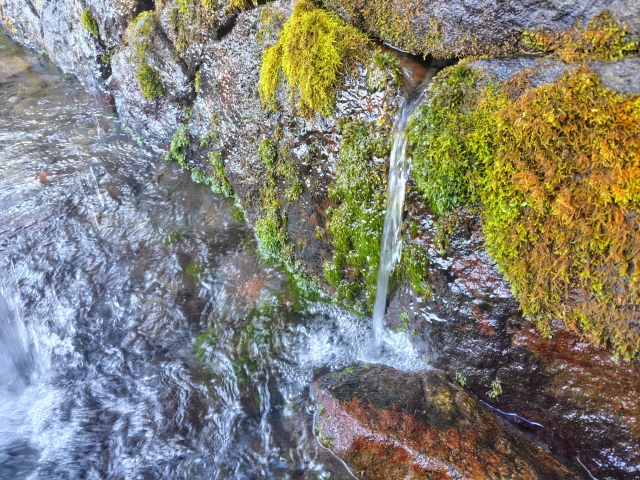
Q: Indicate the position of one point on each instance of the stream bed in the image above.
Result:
(141, 336)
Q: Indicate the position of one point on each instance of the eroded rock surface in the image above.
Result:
(388, 424)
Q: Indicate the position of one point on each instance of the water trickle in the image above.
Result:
(391, 245)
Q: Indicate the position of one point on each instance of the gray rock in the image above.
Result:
(446, 28)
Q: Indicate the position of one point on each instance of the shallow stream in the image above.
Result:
(140, 334)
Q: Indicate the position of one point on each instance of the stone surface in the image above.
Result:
(391, 425)
(570, 395)
(447, 28)
(585, 403)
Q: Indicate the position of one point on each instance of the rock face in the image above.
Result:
(455, 29)
(562, 392)
(388, 424)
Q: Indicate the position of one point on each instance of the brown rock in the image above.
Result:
(388, 424)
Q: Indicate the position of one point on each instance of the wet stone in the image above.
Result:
(388, 424)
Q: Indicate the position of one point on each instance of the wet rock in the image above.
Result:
(389, 425)
(155, 120)
(55, 28)
(570, 395)
(229, 106)
(447, 28)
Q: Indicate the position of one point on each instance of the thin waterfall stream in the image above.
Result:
(391, 244)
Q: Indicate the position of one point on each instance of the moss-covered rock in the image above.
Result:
(554, 171)
(153, 85)
(448, 29)
(313, 53)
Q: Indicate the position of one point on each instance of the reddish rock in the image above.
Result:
(388, 424)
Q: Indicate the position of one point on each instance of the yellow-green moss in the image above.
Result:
(139, 34)
(556, 171)
(602, 38)
(89, 23)
(150, 82)
(179, 148)
(313, 53)
(395, 23)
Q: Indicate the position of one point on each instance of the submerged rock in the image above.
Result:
(390, 425)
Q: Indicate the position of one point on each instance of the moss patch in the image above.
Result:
(395, 23)
(281, 185)
(89, 23)
(150, 82)
(179, 148)
(313, 53)
(359, 193)
(556, 171)
(140, 33)
(603, 38)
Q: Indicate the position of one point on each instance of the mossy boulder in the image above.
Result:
(448, 29)
(388, 424)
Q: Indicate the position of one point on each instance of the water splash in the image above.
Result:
(391, 245)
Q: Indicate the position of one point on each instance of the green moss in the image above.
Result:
(139, 34)
(359, 193)
(313, 53)
(194, 270)
(89, 23)
(271, 225)
(556, 172)
(196, 82)
(442, 158)
(415, 266)
(218, 177)
(267, 151)
(384, 71)
(179, 148)
(496, 389)
(106, 57)
(150, 82)
(603, 38)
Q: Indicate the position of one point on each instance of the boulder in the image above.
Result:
(388, 424)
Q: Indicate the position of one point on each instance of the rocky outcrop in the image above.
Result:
(389, 425)
(281, 165)
(448, 29)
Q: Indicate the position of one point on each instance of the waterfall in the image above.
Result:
(391, 245)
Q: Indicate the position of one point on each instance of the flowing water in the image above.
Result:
(140, 335)
(391, 244)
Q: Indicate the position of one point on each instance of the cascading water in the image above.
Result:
(391, 245)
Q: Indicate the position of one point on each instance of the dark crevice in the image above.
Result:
(226, 26)
(145, 6)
